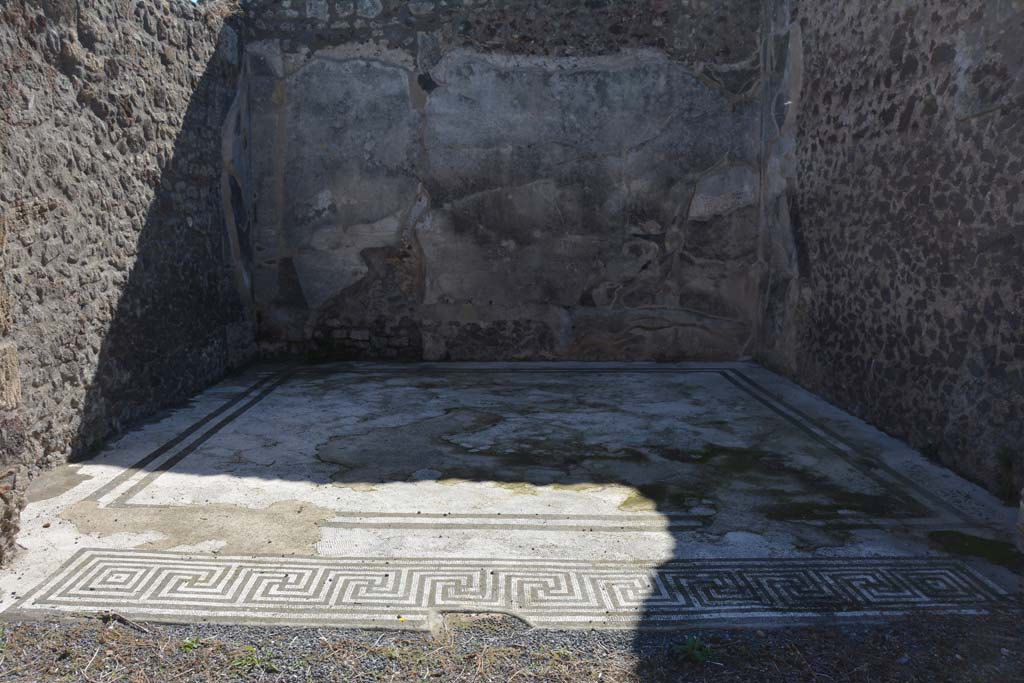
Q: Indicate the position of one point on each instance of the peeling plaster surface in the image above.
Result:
(502, 206)
(567, 466)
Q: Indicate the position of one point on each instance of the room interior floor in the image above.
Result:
(571, 495)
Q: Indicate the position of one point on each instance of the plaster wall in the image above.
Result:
(451, 181)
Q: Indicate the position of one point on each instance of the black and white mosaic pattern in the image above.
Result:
(374, 592)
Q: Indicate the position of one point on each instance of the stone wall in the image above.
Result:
(909, 217)
(503, 180)
(12, 428)
(122, 293)
(835, 187)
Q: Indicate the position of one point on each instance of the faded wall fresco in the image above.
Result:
(423, 186)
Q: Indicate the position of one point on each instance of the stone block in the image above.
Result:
(723, 191)
(369, 9)
(10, 381)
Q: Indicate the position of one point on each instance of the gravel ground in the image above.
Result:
(987, 649)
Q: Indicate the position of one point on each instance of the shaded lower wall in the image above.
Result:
(503, 180)
(908, 214)
(122, 290)
(12, 428)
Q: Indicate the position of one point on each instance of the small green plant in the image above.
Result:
(252, 660)
(191, 644)
(693, 649)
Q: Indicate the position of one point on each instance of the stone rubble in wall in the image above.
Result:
(108, 207)
(910, 153)
(692, 32)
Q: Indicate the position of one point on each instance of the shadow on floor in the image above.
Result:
(662, 436)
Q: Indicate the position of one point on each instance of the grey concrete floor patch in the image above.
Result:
(572, 495)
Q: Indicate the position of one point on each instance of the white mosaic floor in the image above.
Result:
(571, 495)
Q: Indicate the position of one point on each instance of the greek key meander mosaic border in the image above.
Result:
(164, 586)
(896, 484)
